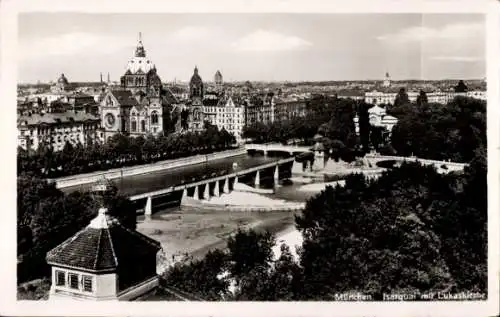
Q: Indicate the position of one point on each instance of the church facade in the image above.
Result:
(138, 106)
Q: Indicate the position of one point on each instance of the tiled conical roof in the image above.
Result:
(101, 246)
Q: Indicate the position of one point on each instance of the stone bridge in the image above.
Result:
(274, 147)
(214, 186)
(441, 166)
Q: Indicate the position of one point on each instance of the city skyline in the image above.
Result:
(281, 47)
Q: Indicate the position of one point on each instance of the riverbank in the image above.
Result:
(244, 202)
(195, 232)
(83, 179)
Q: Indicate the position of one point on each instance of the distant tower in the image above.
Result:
(196, 85)
(101, 78)
(109, 80)
(387, 80)
(218, 80)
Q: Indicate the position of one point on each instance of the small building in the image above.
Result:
(104, 261)
(319, 156)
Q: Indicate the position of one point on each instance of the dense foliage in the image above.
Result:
(411, 231)
(244, 271)
(46, 217)
(443, 132)
(121, 151)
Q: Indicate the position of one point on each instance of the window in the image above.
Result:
(60, 278)
(87, 283)
(154, 117)
(73, 280)
(133, 126)
(143, 126)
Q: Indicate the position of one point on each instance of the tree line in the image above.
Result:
(413, 230)
(120, 151)
(449, 131)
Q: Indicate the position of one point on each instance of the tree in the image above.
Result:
(452, 131)
(376, 136)
(401, 98)
(201, 278)
(404, 232)
(364, 126)
(248, 250)
(422, 99)
(461, 87)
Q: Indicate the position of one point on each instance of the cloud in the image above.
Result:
(450, 31)
(70, 44)
(194, 34)
(262, 40)
(465, 59)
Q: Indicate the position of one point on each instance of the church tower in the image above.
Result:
(218, 80)
(387, 81)
(196, 85)
(196, 96)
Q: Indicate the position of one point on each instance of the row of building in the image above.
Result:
(141, 105)
(379, 97)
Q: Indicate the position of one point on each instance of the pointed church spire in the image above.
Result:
(139, 51)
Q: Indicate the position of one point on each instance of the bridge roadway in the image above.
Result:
(372, 157)
(224, 177)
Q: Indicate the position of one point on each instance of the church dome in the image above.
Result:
(63, 80)
(140, 63)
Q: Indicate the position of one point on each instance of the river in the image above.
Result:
(143, 183)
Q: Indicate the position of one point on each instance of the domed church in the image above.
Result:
(62, 85)
(138, 106)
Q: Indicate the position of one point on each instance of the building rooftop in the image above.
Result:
(102, 245)
(56, 118)
(124, 97)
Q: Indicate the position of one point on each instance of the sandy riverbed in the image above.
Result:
(236, 198)
(317, 187)
(195, 232)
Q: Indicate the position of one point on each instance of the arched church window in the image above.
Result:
(143, 126)
(154, 117)
(133, 126)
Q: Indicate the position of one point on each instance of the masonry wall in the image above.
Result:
(82, 179)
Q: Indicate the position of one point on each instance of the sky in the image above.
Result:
(256, 46)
